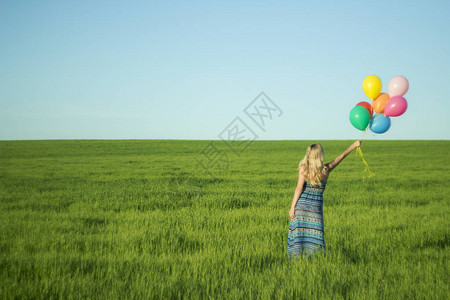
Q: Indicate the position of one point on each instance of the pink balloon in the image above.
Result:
(398, 86)
(395, 106)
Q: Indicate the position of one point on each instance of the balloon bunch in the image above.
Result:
(384, 105)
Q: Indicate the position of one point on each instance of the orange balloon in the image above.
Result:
(380, 102)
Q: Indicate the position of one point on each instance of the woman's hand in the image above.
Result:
(357, 143)
(292, 213)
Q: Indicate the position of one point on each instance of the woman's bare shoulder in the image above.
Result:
(327, 171)
(302, 171)
(328, 167)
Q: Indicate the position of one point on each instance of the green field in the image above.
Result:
(141, 219)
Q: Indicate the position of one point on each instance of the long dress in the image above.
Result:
(306, 230)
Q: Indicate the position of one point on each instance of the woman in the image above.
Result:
(306, 228)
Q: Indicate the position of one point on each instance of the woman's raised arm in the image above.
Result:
(338, 159)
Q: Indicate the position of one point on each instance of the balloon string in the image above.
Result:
(359, 151)
(364, 133)
(367, 169)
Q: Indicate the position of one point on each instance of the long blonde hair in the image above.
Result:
(312, 165)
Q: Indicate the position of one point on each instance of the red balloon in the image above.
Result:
(367, 106)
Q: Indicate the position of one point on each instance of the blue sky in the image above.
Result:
(186, 69)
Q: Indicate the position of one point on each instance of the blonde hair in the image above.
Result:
(312, 165)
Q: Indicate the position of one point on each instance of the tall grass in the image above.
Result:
(141, 219)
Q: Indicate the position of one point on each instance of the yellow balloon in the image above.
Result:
(372, 86)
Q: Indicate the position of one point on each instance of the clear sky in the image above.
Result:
(186, 69)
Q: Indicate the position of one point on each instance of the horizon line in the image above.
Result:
(218, 140)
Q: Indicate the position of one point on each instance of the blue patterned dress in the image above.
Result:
(306, 230)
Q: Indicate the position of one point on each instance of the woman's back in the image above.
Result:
(308, 187)
(312, 197)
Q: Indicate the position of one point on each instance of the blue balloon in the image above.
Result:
(380, 123)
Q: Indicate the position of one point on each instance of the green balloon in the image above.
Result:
(359, 117)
